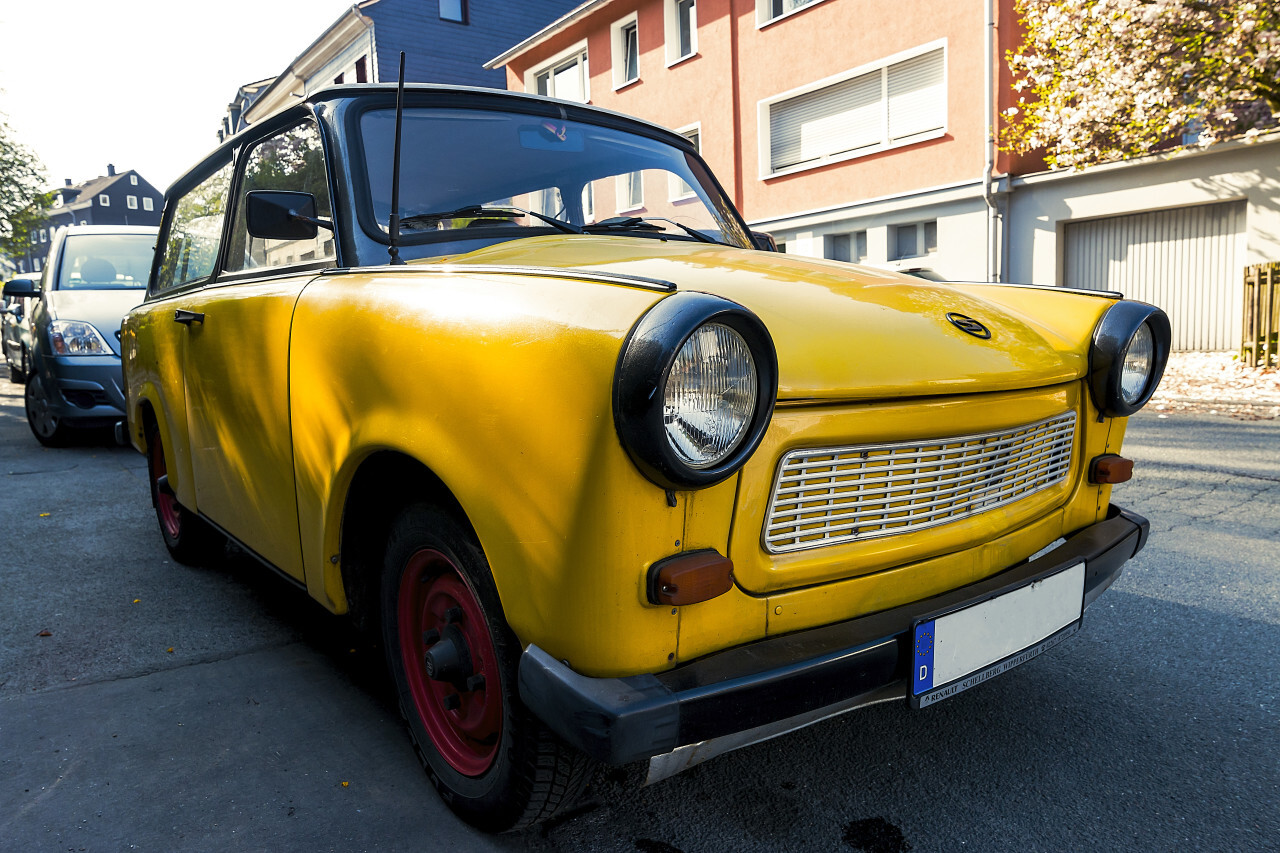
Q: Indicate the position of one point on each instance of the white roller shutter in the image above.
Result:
(838, 118)
(887, 106)
(1188, 261)
(917, 96)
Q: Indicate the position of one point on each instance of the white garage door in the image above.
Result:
(1187, 260)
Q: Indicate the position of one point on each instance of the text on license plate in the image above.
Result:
(966, 647)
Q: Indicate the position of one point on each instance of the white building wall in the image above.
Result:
(959, 211)
(1040, 206)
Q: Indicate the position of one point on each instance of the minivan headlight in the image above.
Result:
(74, 337)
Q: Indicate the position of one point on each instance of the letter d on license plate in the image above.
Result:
(957, 650)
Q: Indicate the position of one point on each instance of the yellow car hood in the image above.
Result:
(845, 332)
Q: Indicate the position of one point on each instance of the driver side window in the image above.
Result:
(294, 161)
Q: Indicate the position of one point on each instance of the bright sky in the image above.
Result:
(142, 84)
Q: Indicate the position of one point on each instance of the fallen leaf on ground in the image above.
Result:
(45, 633)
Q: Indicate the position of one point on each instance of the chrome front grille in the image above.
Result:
(834, 495)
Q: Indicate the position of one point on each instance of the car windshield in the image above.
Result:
(500, 172)
(105, 261)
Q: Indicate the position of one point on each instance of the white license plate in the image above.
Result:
(958, 650)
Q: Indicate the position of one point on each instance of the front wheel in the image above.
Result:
(48, 428)
(454, 660)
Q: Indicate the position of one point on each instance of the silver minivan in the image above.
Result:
(93, 276)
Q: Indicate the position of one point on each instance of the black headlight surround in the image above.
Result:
(639, 386)
(1111, 339)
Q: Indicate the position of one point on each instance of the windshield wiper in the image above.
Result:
(645, 223)
(476, 211)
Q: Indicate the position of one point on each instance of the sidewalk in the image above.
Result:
(1217, 383)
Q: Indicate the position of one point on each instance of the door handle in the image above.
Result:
(186, 317)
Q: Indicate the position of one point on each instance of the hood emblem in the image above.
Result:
(969, 326)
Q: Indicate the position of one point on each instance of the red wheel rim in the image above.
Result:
(465, 730)
(166, 504)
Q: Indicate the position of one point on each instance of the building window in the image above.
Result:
(339, 78)
(565, 77)
(133, 180)
(915, 239)
(771, 10)
(868, 110)
(362, 70)
(148, 204)
(679, 189)
(681, 30)
(104, 200)
(626, 51)
(131, 202)
(36, 264)
(453, 10)
(630, 191)
(846, 247)
(44, 236)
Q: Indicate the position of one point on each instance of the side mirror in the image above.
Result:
(764, 242)
(21, 287)
(281, 215)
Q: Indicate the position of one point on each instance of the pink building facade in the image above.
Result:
(847, 129)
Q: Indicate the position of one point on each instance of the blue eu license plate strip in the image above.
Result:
(963, 648)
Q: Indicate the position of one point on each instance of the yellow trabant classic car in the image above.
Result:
(614, 484)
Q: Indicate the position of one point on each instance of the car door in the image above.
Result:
(154, 346)
(237, 357)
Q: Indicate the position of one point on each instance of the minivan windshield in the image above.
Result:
(496, 172)
(105, 261)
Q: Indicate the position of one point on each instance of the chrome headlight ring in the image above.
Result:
(694, 389)
(1127, 358)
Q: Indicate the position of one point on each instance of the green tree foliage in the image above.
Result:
(1108, 79)
(20, 180)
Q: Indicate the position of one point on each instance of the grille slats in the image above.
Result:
(830, 496)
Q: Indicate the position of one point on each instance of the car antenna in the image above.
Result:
(394, 227)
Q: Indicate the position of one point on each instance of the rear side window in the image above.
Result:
(191, 245)
(292, 160)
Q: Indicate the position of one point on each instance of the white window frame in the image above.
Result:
(623, 186)
(575, 52)
(671, 21)
(618, 48)
(678, 190)
(131, 202)
(104, 200)
(133, 180)
(765, 16)
(148, 203)
(763, 107)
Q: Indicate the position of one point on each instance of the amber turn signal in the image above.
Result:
(690, 578)
(1110, 469)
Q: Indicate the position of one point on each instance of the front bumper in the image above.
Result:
(85, 388)
(788, 678)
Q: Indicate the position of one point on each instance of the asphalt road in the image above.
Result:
(150, 706)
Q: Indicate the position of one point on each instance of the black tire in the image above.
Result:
(506, 774)
(49, 429)
(16, 376)
(189, 538)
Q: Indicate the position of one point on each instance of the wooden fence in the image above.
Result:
(1261, 343)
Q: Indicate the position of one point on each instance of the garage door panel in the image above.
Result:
(1186, 260)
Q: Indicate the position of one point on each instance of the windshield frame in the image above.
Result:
(420, 243)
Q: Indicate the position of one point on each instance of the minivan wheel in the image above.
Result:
(48, 428)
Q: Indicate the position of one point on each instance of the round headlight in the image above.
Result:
(694, 390)
(710, 396)
(1139, 357)
(1127, 358)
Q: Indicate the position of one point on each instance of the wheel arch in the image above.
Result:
(383, 484)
